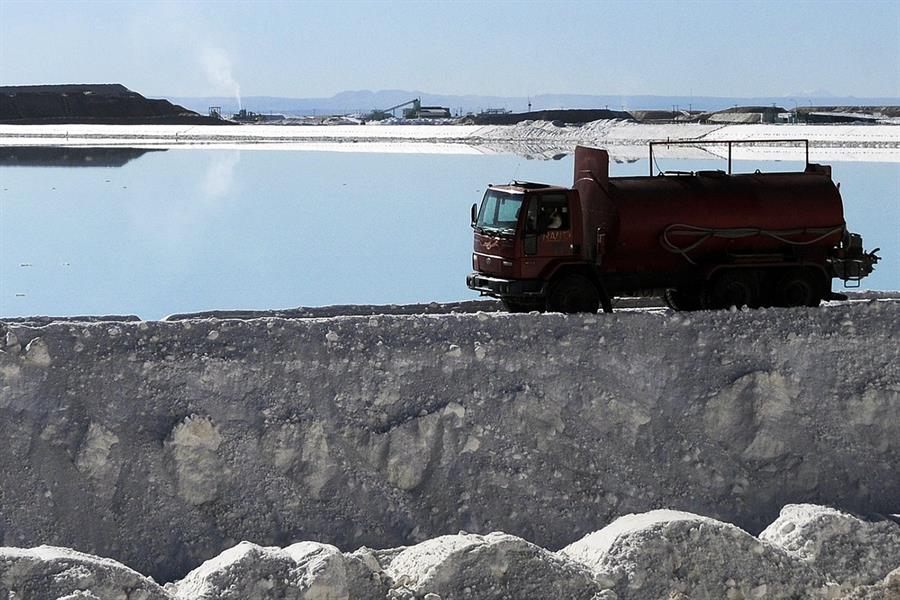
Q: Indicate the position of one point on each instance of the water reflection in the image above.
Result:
(220, 174)
(189, 230)
(41, 156)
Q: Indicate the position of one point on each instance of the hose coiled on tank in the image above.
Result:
(705, 233)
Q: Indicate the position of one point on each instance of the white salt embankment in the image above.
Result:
(163, 444)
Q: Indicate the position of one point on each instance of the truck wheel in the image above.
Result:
(798, 287)
(733, 288)
(682, 299)
(516, 305)
(574, 294)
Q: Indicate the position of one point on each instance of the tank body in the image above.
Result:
(705, 240)
(646, 220)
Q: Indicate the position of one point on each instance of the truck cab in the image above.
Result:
(525, 233)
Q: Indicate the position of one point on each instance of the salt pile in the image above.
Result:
(302, 571)
(658, 554)
(846, 548)
(51, 573)
(496, 565)
(665, 554)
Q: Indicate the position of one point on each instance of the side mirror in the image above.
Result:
(474, 214)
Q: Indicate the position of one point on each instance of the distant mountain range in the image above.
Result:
(365, 100)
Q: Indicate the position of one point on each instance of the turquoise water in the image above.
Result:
(187, 230)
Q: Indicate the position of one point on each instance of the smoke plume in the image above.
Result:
(217, 66)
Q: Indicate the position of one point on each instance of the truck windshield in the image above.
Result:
(499, 212)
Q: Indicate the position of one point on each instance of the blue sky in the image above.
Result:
(311, 49)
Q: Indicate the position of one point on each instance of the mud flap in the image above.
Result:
(605, 300)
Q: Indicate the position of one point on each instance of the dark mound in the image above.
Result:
(578, 115)
(750, 109)
(105, 104)
(886, 111)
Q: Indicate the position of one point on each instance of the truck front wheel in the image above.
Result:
(574, 294)
(516, 305)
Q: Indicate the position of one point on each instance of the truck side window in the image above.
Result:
(554, 212)
(531, 216)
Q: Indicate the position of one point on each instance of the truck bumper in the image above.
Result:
(496, 286)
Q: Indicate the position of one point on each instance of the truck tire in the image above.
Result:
(573, 294)
(682, 299)
(517, 305)
(734, 287)
(799, 287)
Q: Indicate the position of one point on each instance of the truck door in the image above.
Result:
(548, 231)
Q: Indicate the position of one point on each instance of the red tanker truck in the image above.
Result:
(701, 240)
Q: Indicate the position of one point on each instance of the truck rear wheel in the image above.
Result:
(799, 287)
(574, 294)
(734, 287)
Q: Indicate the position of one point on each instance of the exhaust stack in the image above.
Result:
(591, 169)
(592, 183)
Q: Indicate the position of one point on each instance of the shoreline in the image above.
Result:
(625, 140)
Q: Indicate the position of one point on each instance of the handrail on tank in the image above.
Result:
(805, 142)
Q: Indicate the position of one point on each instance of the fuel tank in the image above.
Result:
(677, 222)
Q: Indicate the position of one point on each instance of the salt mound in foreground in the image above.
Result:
(887, 589)
(666, 553)
(847, 549)
(492, 566)
(818, 553)
(302, 571)
(50, 573)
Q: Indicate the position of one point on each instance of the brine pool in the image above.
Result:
(150, 233)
